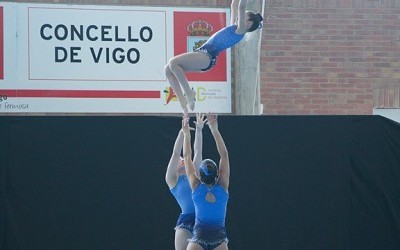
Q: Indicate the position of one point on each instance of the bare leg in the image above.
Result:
(222, 246)
(181, 238)
(177, 89)
(194, 61)
(194, 246)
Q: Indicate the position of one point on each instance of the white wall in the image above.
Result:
(393, 114)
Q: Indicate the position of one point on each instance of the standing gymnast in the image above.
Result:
(178, 184)
(204, 58)
(209, 191)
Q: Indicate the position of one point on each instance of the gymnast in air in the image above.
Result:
(205, 57)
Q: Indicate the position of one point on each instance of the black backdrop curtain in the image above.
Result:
(297, 182)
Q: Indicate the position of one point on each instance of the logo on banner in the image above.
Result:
(169, 95)
(199, 32)
(202, 94)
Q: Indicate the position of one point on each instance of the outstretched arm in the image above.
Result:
(198, 141)
(224, 169)
(187, 154)
(171, 176)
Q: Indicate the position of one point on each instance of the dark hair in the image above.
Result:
(256, 19)
(208, 171)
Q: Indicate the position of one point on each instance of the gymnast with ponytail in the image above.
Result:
(205, 57)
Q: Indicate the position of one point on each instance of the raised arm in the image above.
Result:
(241, 17)
(170, 176)
(198, 142)
(187, 154)
(234, 11)
(224, 168)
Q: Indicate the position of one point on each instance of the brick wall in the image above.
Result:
(330, 56)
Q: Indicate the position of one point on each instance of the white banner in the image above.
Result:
(109, 59)
(105, 45)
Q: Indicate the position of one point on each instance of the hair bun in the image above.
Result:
(259, 17)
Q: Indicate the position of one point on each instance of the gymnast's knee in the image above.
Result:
(173, 65)
(167, 70)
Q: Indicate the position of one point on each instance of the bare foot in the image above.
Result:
(191, 99)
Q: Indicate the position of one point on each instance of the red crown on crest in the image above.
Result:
(200, 28)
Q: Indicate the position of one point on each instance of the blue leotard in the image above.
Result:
(208, 212)
(209, 229)
(183, 195)
(221, 40)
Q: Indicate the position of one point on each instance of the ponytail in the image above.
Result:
(257, 21)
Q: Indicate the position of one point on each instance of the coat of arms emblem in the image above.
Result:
(199, 32)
